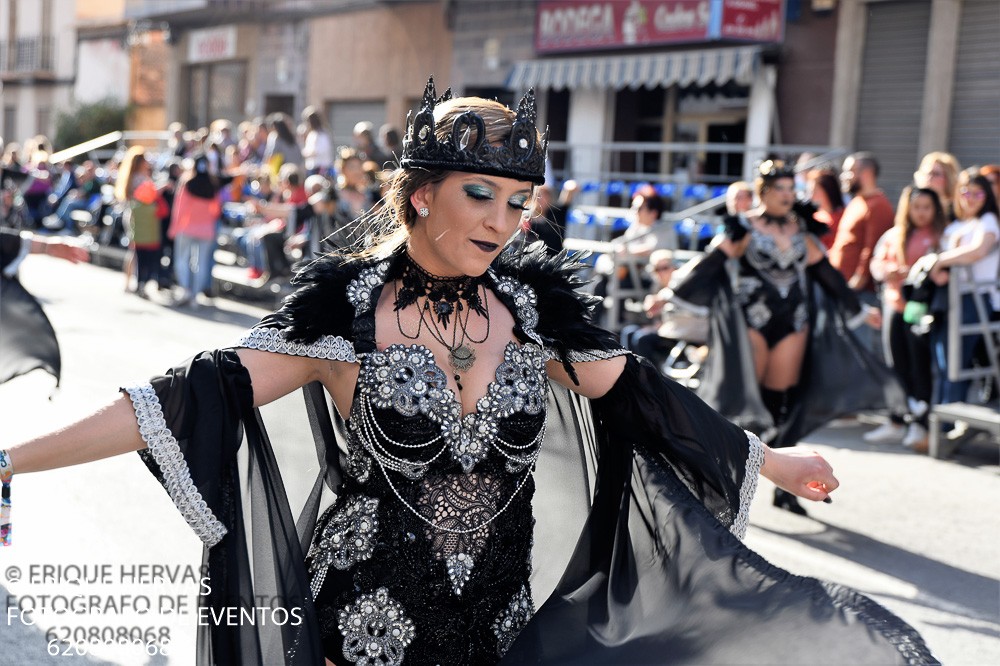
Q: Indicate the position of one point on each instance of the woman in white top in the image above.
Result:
(317, 151)
(969, 242)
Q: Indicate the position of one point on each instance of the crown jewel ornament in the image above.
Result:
(520, 157)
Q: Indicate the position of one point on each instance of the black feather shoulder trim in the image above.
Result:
(565, 312)
(319, 306)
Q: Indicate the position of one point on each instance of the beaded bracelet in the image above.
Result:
(6, 473)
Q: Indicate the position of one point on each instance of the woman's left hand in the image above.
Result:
(803, 473)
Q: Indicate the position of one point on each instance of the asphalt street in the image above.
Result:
(100, 552)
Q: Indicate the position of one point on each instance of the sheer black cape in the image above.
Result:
(638, 497)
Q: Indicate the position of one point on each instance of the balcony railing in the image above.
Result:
(27, 55)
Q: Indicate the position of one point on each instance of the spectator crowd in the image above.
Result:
(274, 192)
(266, 189)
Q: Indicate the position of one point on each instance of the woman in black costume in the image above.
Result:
(778, 297)
(447, 361)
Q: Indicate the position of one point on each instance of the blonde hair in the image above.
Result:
(126, 172)
(951, 168)
(390, 226)
(733, 190)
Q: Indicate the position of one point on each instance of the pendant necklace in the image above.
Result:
(443, 298)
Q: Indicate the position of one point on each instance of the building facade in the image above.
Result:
(353, 59)
(37, 65)
(371, 64)
(913, 76)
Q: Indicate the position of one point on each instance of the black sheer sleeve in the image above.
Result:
(198, 422)
(28, 341)
(715, 459)
(834, 284)
(700, 282)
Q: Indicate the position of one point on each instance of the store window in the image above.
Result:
(216, 90)
(710, 115)
(43, 120)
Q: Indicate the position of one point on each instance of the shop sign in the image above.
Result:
(212, 44)
(580, 25)
(753, 20)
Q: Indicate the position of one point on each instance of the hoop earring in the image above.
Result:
(423, 211)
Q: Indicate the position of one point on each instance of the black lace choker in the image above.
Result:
(443, 297)
(774, 219)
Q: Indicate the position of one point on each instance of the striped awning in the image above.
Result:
(684, 68)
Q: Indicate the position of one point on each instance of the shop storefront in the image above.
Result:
(215, 77)
(675, 72)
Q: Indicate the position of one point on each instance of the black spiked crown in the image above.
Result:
(520, 157)
(773, 169)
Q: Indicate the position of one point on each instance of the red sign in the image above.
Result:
(754, 20)
(574, 25)
(581, 25)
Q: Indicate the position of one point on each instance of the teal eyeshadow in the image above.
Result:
(478, 190)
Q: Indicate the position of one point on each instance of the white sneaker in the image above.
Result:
(887, 432)
(958, 431)
(915, 435)
(917, 407)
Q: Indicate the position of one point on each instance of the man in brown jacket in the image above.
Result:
(868, 215)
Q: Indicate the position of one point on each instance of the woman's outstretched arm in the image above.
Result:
(804, 473)
(112, 429)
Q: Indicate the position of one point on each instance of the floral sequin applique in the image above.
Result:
(348, 538)
(375, 630)
(359, 290)
(512, 620)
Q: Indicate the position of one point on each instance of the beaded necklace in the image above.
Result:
(442, 298)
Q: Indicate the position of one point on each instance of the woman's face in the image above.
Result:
(742, 201)
(779, 196)
(472, 216)
(354, 172)
(663, 271)
(973, 198)
(921, 211)
(936, 178)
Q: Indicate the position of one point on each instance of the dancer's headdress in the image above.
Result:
(521, 156)
(772, 169)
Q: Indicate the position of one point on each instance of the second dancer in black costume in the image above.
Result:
(772, 293)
